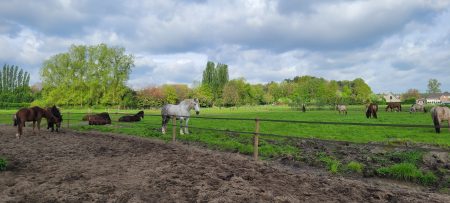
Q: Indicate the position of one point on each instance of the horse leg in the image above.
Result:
(39, 127)
(181, 126)
(19, 130)
(34, 125)
(165, 120)
(186, 130)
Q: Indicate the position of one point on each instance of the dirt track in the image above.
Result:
(76, 167)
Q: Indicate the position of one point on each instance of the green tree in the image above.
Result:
(215, 77)
(434, 86)
(14, 85)
(87, 75)
(360, 91)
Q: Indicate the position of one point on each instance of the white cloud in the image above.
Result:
(393, 45)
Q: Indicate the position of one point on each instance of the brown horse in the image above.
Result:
(372, 110)
(394, 105)
(104, 116)
(133, 118)
(57, 114)
(34, 114)
(99, 119)
(439, 114)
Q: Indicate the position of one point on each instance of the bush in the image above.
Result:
(408, 172)
(3, 164)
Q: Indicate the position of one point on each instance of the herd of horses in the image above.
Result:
(182, 113)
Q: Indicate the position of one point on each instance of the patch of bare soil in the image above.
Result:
(79, 167)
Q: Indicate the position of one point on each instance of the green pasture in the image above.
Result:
(270, 145)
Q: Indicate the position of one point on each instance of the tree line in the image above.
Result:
(96, 76)
(14, 85)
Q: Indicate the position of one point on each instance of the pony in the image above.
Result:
(104, 116)
(394, 105)
(181, 112)
(417, 107)
(133, 118)
(97, 120)
(372, 110)
(34, 114)
(439, 114)
(341, 108)
(56, 114)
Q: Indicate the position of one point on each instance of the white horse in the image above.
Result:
(439, 114)
(417, 107)
(181, 112)
(341, 108)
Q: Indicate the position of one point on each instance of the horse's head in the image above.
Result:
(196, 106)
(140, 114)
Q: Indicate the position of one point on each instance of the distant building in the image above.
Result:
(421, 101)
(438, 98)
(389, 97)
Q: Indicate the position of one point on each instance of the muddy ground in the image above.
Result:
(85, 167)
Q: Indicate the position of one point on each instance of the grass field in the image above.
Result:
(241, 142)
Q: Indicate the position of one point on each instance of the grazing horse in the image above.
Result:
(417, 107)
(133, 118)
(56, 114)
(394, 105)
(181, 112)
(34, 114)
(439, 114)
(341, 108)
(372, 110)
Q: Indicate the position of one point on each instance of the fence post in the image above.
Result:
(256, 140)
(174, 128)
(68, 119)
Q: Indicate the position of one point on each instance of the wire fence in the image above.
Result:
(72, 117)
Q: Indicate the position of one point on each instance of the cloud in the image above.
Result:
(393, 45)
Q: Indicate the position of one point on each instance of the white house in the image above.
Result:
(438, 98)
(389, 97)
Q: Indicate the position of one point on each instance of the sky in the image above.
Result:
(393, 45)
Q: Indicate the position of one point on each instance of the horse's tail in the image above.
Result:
(16, 120)
(437, 126)
(368, 112)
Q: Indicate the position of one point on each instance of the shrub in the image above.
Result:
(408, 172)
(332, 164)
(3, 164)
(355, 166)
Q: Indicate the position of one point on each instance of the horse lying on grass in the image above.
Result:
(97, 119)
(134, 118)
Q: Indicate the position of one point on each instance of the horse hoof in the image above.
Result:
(17, 135)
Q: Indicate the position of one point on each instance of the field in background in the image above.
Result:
(271, 145)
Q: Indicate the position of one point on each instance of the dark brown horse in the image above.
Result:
(99, 119)
(394, 105)
(104, 116)
(57, 114)
(134, 118)
(34, 114)
(372, 110)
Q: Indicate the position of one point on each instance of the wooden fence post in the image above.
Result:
(174, 128)
(256, 140)
(68, 119)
